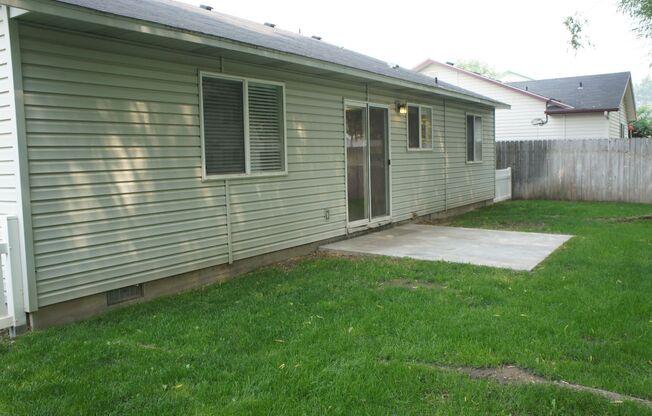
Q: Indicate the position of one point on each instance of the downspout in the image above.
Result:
(229, 242)
(445, 162)
(227, 201)
(495, 157)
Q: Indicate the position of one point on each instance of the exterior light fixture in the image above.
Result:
(401, 108)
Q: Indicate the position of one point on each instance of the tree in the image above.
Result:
(639, 10)
(644, 92)
(575, 26)
(643, 124)
(477, 66)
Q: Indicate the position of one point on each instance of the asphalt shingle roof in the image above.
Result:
(195, 19)
(598, 92)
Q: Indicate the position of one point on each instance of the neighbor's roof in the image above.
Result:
(602, 92)
(428, 62)
(195, 19)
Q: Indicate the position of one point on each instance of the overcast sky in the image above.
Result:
(523, 36)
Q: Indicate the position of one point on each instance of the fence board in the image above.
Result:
(579, 170)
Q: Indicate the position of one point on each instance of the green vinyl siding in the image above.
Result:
(468, 183)
(417, 177)
(115, 161)
(116, 187)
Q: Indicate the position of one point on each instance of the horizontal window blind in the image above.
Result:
(265, 127)
(224, 136)
(426, 128)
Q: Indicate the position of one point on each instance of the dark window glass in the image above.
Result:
(413, 127)
(224, 143)
(469, 138)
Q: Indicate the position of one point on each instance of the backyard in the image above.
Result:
(345, 335)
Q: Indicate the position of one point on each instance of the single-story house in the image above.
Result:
(582, 107)
(151, 146)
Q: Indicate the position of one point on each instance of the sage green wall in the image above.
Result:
(468, 182)
(114, 160)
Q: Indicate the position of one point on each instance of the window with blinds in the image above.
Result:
(265, 127)
(243, 127)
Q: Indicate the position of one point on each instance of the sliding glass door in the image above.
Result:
(357, 163)
(367, 163)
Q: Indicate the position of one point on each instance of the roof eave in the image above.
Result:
(581, 110)
(93, 16)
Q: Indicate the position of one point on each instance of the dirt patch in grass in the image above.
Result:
(409, 284)
(288, 265)
(504, 375)
(515, 375)
(647, 217)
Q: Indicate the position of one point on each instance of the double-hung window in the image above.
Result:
(473, 138)
(243, 127)
(419, 120)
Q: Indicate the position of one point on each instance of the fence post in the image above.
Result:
(13, 272)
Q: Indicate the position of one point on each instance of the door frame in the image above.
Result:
(369, 222)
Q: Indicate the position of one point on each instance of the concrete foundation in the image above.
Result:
(88, 306)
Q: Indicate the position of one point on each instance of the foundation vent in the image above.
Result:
(124, 294)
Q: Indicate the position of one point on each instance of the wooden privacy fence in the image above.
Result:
(579, 170)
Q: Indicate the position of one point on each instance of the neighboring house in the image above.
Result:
(592, 106)
(147, 142)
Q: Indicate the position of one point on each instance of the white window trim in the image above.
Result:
(432, 127)
(245, 105)
(466, 138)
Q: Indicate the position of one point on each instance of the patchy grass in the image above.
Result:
(319, 337)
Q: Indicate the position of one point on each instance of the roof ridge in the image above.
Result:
(571, 77)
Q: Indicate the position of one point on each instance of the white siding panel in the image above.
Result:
(8, 165)
(615, 120)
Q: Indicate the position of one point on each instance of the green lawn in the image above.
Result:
(320, 337)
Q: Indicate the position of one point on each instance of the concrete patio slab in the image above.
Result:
(505, 249)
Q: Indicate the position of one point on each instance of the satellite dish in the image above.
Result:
(538, 122)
